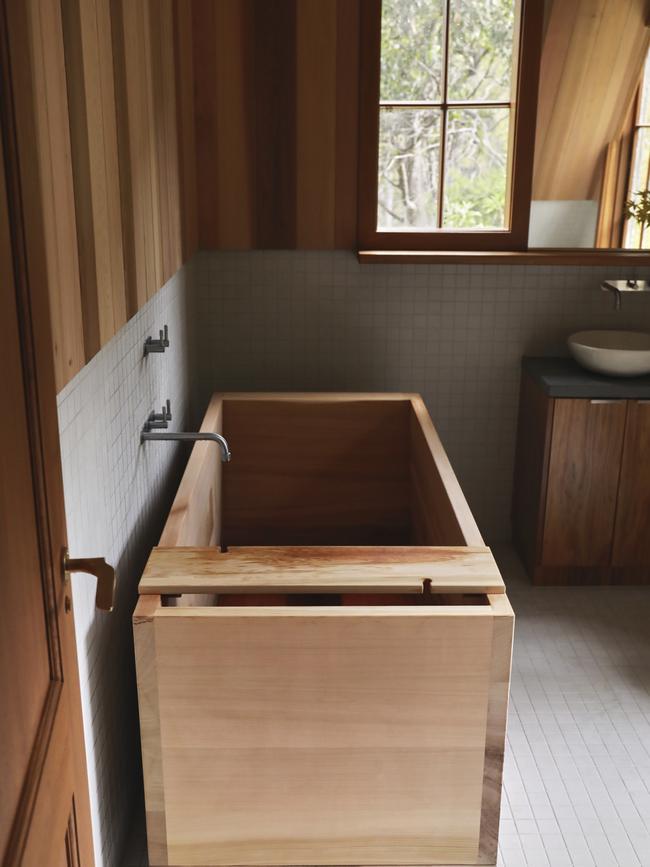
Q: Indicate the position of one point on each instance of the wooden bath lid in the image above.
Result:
(321, 569)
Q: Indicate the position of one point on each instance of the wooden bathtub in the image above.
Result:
(323, 645)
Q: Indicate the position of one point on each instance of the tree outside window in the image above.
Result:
(446, 112)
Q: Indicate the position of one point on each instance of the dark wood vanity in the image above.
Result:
(581, 501)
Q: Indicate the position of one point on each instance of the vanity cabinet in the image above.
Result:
(581, 503)
(632, 530)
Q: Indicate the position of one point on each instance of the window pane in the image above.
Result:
(409, 166)
(644, 109)
(638, 183)
(411, 49)
(480, 50)
(476, 168)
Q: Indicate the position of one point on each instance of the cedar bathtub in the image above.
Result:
(323, 645)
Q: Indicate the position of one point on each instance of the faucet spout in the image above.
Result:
(620, 286)
(187, 437)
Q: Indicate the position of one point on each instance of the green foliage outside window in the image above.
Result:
(479, 71)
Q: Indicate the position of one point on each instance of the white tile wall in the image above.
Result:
(117, 494)
(296, 320)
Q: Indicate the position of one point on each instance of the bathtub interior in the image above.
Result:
(329, 473)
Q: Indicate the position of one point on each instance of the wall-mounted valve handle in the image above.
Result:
(159, 345)
(158, 420)
(105, 574)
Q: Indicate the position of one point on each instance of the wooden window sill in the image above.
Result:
(521, 257)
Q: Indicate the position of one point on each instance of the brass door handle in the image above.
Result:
(105, 574)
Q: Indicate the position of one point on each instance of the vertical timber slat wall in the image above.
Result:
(276, 99)
(165, 125)
(115, 168)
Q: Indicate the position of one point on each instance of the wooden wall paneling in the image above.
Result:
(46, 136)
(166, 137)
(184, 64)
(234, 126)
(208, 151)
(274, 45)
(316, 141)
(149, 126)
(138, 171)
(276, 122)
(93, 130)
(347, 122)
(583, 477)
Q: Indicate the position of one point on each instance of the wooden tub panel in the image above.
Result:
(278, 744)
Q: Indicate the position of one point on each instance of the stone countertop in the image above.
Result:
(563, 377)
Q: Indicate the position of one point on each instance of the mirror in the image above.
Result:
(592, 149)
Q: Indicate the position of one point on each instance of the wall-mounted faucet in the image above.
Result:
(160, 345)
(159, 420)
(155, 428)
(619, 286)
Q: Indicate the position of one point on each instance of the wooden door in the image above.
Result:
(632, 533)
(583, 474)
(44, 812)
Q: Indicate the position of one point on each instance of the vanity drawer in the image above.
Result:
(331, 728)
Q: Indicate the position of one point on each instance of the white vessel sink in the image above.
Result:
(613, 353)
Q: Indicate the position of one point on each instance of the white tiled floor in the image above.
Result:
(577, 773)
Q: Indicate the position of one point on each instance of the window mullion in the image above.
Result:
(443, 119)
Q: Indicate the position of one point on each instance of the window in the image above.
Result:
(636, 236)
(447, 140)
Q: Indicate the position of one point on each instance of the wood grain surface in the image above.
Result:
(291, 710)
(276, 89)
(315, 570)
(583, 475)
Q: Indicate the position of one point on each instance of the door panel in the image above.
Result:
(583, 475)
(632, 535)
(25, 677)
(44, 814)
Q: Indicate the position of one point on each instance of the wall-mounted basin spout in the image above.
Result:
(618, 286)
(186, 437)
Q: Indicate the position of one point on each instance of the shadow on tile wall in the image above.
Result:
(117, 496)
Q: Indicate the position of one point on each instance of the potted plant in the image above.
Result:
(638, 208)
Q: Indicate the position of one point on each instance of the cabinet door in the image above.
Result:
(583, 475)
(632, 534)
